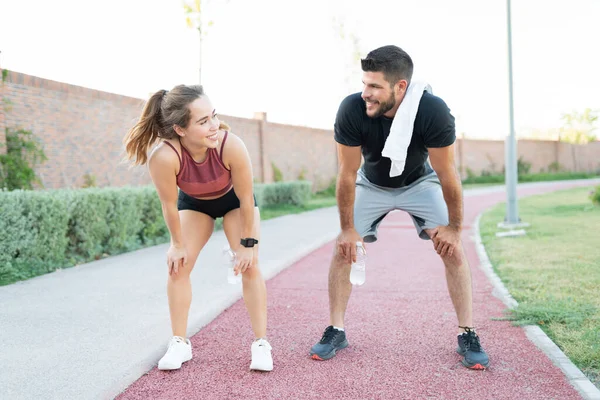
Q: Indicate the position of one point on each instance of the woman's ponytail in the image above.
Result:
(146, 131)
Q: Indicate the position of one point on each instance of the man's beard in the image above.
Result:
(384, 106)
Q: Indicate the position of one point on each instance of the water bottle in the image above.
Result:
(357, 270)
(229, 260)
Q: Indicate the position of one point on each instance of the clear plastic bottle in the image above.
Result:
(229, 260)
(357, 270)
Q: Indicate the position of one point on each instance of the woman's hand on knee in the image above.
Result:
(176, 259)
(244, 259)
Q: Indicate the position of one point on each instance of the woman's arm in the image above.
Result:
(238, 159)
(163, 165)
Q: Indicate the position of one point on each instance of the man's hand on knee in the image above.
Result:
(446, 240)
(346, 244)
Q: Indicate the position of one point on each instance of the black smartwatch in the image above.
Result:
(248, 242)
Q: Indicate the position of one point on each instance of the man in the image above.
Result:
(430, 191)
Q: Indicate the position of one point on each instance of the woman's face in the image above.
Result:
(203, 127)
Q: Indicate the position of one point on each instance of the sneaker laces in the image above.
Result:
(262, 343)
(471, 339)
(329, 334)
(174, 341)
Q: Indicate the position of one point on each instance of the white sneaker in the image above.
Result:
(179, 351)
(261, 356)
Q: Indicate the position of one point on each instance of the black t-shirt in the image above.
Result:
(434, 127)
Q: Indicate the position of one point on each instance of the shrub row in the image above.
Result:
(41, 231)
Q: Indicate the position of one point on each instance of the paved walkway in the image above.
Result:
(90, 332)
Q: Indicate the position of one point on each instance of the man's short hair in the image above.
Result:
(394, 62)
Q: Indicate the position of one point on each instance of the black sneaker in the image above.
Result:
(331, 341)
(470, 348)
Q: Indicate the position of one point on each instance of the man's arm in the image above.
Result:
(349, 158)
(442, 161)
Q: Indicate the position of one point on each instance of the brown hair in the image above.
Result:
(161, 113)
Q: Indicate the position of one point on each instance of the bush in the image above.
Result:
(41, 231)
(154, 229)
(88, 228)
(23, 153)
(555, 167)
(523, 166)
(33, 240)
(277, 174)
(484, 179)
(541, 177)
(124, 220)
(295, 193)
(559, 176)
(595, 196)
(47, 219)
(14, 235)
(329, 191)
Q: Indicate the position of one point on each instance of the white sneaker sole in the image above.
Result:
(262, 365)
(169, 367)
(265, 368)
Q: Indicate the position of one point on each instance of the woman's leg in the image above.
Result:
(196, 229)
(254, 289)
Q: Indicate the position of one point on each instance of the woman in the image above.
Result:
(211, 167)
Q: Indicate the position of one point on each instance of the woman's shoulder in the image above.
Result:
(167, 151)
(234, 149)
(232, 140)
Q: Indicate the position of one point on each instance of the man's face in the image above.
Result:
(377, 94)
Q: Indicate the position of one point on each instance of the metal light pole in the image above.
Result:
(512, 214)
(511, 220)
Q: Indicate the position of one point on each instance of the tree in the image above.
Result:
(194, 11)
(578, 127)
(352, 50)
(20, 152)
(23, 153)
(193, 19)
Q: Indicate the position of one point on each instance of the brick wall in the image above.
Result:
(82, 131)
(301, 151)
(488, 155)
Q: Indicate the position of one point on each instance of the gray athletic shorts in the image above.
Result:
(422, 200)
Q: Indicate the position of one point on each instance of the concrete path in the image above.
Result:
(89, 332)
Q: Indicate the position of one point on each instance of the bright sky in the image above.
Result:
(287, 58)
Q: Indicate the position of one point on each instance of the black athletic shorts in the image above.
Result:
(215, 208)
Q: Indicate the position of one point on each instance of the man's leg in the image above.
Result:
(458, 279)
(371, 205)
(339, 289)
(424, 201)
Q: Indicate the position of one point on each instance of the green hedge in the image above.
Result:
(295, 193)
(541, 177)
(41, 231)
(595, 196)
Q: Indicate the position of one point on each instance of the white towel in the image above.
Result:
(396, 144)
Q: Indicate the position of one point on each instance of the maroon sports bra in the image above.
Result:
(208, 178)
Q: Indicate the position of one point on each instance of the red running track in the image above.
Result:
(401, 327)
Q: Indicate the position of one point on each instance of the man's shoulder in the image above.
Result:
(353, 103)
(349, 121)
(430, 105)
